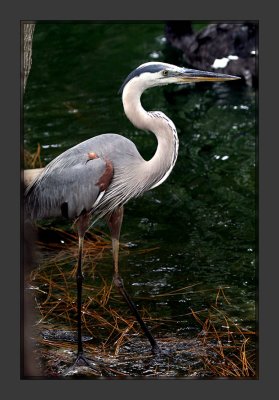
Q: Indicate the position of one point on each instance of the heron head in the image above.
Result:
(153, 74)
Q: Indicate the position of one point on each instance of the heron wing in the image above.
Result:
(67, 186)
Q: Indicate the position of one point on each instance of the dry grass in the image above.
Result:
(33, 160)
(231, 351)
(54, 285)
(222, 348)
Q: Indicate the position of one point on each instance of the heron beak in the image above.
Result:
(194, 75)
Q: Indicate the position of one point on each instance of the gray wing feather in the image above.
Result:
(72, 178)
(66, 182)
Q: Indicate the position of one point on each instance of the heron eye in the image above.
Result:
(165, 72)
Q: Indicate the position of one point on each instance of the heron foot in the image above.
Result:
(82, 360)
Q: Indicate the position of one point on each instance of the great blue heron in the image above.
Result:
(97, 177)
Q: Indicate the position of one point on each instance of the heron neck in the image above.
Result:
(158, 168)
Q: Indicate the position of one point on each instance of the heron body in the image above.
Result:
(95, 178)
(94, 184)
(71, 180)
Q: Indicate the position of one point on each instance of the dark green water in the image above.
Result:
(203, 218)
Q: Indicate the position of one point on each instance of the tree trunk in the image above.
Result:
(30, 364)
(28, 30)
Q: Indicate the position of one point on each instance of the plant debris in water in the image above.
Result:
(112, 340)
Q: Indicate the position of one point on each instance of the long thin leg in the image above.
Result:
(82, 225)
(79, 279)
(115, 223)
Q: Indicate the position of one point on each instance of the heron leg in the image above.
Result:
(79, 279)
(115, 223)
(82, 225)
